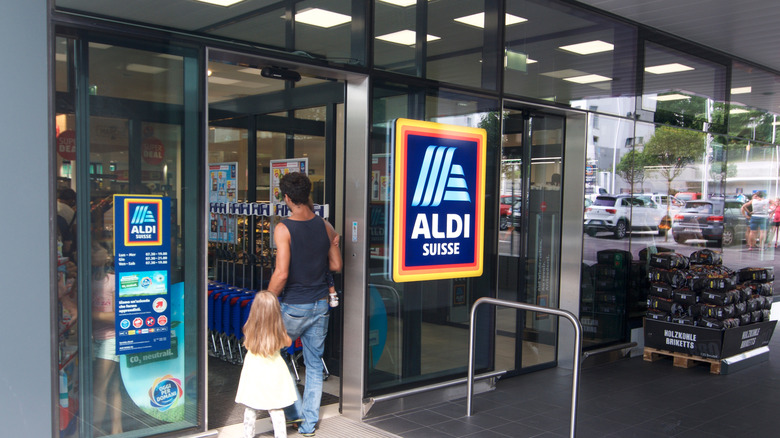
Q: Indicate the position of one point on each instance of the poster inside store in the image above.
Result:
(223, 188)
(279, 168)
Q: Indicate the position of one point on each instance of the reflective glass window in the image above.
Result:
(418, 331)
(682, 90)
(313, 29)
(562, 54)
(755, 103)
(132, 142)
(449, 45)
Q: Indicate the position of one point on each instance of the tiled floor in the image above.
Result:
(628, 398)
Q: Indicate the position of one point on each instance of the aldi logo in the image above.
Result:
(142, 224)
(439, 201)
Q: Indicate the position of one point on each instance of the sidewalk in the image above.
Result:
(332, 425)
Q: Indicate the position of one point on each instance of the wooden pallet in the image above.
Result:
(681, 360)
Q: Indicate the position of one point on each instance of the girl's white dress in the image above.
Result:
(265, 383)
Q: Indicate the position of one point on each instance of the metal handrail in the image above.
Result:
(577, 349)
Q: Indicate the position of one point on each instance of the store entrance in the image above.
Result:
(529, 237)
(265, 119)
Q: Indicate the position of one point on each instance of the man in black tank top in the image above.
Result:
(307, 247)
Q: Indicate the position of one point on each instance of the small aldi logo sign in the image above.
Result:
(142, 221)
(438, 201)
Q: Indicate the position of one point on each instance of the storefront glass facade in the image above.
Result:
(667, 124)
(131, 127)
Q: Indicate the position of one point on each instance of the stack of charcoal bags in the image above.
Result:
(699, 290)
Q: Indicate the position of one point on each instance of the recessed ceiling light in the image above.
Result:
(321, 18)
(738, 111)
(478, 20)
(566, 73)
(402, 3)
(222, 81)
(143, 68)
(741, 90)
(405, 37)
(221, 2)
(668, 97)
(251, 71)
(667, 68)
(587, 79)
(169, 56)
(588, 48)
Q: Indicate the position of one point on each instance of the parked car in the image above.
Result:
(688, 196)
(620, 214)
(592, 192)
(505, 210)
(715, 219)
(669, 206)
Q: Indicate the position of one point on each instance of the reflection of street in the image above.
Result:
(509, 242)
(734, 257)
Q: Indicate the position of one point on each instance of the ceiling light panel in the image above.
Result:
(221, 2)
(321, 17)
(478, 20)
(405, 37)
(668, 68)
(588, 48)
(741, 90)
(669, 97)
(587, 79)
(143, 68)
(222, 81)
(566, 73)
(401, 3)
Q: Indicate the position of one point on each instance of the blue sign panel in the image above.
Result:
(141, 264)
(439, 198)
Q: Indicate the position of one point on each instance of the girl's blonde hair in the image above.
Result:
(264, 332)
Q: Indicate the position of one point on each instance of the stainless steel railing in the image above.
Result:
(577, 349)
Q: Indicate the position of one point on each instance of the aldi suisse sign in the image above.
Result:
(438, 201)
(142, 271)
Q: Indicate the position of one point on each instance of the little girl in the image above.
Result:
(265, 379)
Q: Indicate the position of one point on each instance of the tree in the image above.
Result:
(632, 169)
(671, 150)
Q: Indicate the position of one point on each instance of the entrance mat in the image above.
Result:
(223, 383)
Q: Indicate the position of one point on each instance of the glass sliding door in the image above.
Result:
(259, 129)
(529, 246)
(127, 127)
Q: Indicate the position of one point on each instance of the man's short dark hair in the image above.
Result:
(66, 194)
(297, 186)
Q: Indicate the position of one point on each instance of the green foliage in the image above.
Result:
(632, 168)
(671, 150)
(691, 113)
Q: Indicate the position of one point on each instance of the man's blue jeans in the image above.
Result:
(310, 323)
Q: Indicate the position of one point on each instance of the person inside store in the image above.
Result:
(757, 212)
(107, 408)
(307, 247)
(66, 220)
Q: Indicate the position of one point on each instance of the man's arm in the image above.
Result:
(335, 262)
(282, 268)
